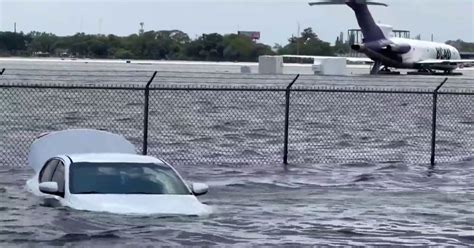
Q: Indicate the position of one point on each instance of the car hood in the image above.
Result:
(139, 204)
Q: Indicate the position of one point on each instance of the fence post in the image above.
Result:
(433, 128)
(287, 119)
(145, 114)
(1, 72)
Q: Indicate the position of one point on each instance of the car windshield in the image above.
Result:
(125, 178)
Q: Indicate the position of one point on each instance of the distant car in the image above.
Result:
(99, 171)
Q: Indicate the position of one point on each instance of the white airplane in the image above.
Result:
(386, 51)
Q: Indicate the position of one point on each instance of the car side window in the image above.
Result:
(58, 177)
(47, 173)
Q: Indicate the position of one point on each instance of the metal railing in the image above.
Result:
(244, 124)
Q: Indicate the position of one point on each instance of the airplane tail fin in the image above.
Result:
(369, 28)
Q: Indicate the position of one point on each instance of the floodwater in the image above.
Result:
(384, 202)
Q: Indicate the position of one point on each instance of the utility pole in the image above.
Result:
(100, 25)
(298, 40)
(142, 28)
(81, 25)
(14, 27)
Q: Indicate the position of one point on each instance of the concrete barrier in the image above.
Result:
(330, 66)
(270, 65)
(322, 65)
(245, 70)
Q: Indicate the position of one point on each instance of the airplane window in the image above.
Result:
(47, 173)
(125, 178)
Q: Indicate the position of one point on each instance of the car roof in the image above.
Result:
(72, 141)
(113, 158)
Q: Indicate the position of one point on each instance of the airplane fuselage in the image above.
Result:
(410, 54)
(426, 50)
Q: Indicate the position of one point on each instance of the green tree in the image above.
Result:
(43, 42)
(13, 43)
(206, 47)
(98, 48)
(308, 44)
(164, 44)
(461, 45)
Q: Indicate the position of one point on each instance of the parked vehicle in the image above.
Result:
(99, 171)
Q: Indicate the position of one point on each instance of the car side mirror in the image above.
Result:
(49, 188)
(199, 188)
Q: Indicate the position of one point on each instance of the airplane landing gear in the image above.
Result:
(376, 68)
(426, 71)
(379, 69)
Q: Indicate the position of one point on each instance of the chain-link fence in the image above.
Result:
(27, 111)
(212, 126)
(455, 129)
(243, 123)
(340, 127)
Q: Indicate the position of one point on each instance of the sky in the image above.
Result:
(277, 20)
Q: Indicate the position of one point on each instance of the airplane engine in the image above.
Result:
(398, 48)
(358, 47)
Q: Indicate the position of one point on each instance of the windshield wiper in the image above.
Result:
(89, 192)
(142, 193)
(119, 193)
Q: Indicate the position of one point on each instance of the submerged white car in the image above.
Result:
(99, 171)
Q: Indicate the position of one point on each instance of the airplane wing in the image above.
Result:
(445, 61)
(360, 60)
(303, 56)
(349, 59)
